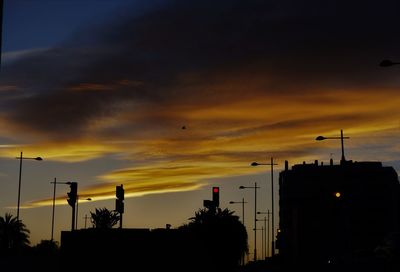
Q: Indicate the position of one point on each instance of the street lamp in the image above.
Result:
(77, 201)
(321, 138)
(19, 180)
(240, 202)
(255, 216)
(266, 229)
(54, 204)
(272, 200)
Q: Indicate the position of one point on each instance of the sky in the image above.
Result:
(101, 90)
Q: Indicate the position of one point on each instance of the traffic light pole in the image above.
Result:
(72, 201)
(73, 218)
(119, 203)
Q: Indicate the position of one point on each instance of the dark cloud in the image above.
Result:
(183, 46)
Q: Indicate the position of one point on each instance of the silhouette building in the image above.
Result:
(333, 213)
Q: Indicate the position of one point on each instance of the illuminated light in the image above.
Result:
(337, 194)
(215, 196)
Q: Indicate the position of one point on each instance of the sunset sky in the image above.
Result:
(101, 90)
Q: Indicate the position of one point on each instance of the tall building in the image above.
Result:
(330, 213)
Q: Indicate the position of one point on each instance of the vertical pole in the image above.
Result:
(243, 211)
(268, 233)
(265, 237)
(262, 241)
(255, 221)
(341, 139)
(272, 207)
(121, 199)
(77, 211)
(19, 184)
(73, 218)
(244, 227)
(54, 202)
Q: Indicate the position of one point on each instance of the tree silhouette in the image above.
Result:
(221, 237)
(46, 247)
(13, 233)
(104, 218)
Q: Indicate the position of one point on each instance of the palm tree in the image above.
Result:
(104, 218)
(13, 233)
(220, 235)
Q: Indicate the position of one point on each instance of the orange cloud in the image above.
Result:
(222, 139)
(60, 151)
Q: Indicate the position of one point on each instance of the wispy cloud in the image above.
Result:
(12, 56)
(107, 191)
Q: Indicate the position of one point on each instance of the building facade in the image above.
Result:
(330, 213)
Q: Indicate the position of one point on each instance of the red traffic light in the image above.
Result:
(215, 196)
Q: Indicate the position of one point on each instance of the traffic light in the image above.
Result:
(119, 202)
(215, 196)
(120, 192)
(119, 206)
(72, 195)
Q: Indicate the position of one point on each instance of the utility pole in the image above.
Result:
(272, 207)
(272, 199)
(54, 206)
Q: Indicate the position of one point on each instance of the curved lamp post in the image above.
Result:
(321, 138)
(77, 209)
(54, 203)
(20, 173)
(240, 202)
(272, 200)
